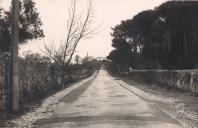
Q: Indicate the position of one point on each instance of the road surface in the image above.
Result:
(104, 103)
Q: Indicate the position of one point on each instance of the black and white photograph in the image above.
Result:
(98, 64)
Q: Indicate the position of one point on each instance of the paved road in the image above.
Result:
(103, 103)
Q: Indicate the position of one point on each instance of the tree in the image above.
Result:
(18, 25)
(87, 59)
(78, 27)
(29, 25)
(181, 31)
(168, 38)
(77, 59)
(132, 38)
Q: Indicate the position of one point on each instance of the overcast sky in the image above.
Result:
(54, 12)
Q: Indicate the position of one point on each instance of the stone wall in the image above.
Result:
(181, 79)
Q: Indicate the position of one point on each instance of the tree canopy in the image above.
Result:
(29, 24)
(166, 37)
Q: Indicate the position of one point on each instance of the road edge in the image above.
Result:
(161, 102)
(46, 109)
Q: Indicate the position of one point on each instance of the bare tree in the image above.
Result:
(78, 27)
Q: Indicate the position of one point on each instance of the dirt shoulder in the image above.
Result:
(180, 105)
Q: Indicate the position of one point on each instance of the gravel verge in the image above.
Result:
(180, 105)
(45, 110)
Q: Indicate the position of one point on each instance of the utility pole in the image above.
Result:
(14, 73)
(87, 57)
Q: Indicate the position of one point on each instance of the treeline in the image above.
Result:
(163, 38)
(39, 76)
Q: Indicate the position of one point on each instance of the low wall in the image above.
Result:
(181, 79)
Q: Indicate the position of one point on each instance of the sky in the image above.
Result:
(53, 14)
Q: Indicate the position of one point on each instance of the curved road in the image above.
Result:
(103, 103)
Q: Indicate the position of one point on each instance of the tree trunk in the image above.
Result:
(168, 41)
(164, 44)
(14, 56)
(185, 44)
